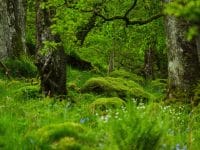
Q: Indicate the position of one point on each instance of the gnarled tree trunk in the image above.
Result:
(52, 65)
(183, 65)
(12, 28)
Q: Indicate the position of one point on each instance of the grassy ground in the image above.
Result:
(30, 121)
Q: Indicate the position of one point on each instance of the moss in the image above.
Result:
(66, 135)
(73, 87)
(127, 75)
(104, 103)
(119, 87)
(66, 143)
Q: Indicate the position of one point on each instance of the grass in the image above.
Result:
(24, 115)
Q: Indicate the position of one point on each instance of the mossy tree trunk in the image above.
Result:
(12, 28)
(183, 64)
(51, 65)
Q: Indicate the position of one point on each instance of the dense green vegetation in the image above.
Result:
(91, 120)
(118, 87)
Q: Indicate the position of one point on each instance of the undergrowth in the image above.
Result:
(93, 121)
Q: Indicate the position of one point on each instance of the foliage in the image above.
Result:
(189, 10)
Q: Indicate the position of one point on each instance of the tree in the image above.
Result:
(51, 62)
(183, 61)
(12, 28)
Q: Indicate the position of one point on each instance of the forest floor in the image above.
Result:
(89, 120)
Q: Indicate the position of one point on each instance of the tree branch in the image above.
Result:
(142, 22)
(132, 7)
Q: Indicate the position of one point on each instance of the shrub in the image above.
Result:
(61, 136)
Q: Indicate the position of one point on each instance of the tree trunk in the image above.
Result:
(12, 28)
(183, 65)
(52, 65)
(111, 62)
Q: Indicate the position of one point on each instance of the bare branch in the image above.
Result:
(131, 8)
(142, 22)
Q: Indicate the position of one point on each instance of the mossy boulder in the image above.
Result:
(127, 75)
(118, 87)
(105, 103)
(63, 136)
(73, 87)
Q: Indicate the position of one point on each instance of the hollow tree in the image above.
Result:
(12, 28)
(52, 64)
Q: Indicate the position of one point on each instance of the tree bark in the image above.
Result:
(12, 28)
(52, 65)
(183, 65)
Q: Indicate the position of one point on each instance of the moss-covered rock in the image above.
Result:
(127, 75)
(63, 136)
(105, 103)
(73, 87)
(119, 87)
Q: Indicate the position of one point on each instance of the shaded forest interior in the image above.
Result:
(106, 74)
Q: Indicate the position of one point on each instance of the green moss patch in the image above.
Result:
(118, 87)
(105, 103)
(68, 135)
